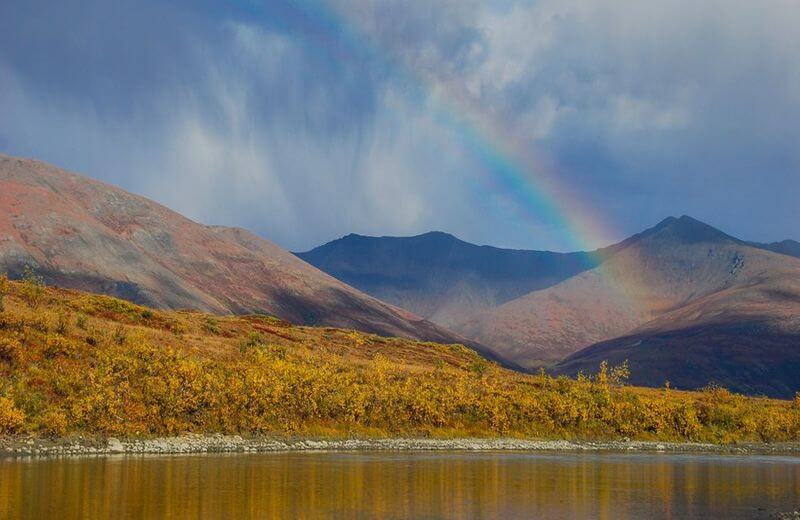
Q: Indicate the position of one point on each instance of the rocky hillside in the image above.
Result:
(85, 234)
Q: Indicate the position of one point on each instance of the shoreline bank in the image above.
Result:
(13, 447)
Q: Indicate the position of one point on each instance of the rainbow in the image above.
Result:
(510, 166)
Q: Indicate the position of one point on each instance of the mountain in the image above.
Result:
(85, 234)
(745, 337)
(440, 277)
(681, 268)
(785, 247)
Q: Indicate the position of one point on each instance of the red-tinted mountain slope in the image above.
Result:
(85, 234)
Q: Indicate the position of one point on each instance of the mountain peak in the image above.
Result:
(438, 236)
(690, 230)
(687, 230)
(434, 236)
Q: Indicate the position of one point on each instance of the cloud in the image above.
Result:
(662, 106)
(308, 120)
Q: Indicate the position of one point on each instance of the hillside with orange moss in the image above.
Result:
(86, 234)
(79, 363)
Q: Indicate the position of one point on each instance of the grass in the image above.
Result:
(73, 362)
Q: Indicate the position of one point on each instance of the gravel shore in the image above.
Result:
(39, 447)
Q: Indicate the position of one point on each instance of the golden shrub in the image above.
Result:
(10, 350)
(5, 288)
(54, 422)
(33, 287)
(57, 345)
(11, 418)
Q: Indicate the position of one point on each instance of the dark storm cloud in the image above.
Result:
(307, 120)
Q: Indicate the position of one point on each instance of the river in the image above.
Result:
(400, 485)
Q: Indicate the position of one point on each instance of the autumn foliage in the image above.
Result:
(74, 362)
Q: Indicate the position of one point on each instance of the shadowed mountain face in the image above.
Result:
(675, 264)
(441, 277)
(745, 337)
(85, 234)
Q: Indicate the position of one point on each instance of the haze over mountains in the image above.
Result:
(85, 234)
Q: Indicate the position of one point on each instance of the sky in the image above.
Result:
(541, 124)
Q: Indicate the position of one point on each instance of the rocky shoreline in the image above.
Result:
(42, 447)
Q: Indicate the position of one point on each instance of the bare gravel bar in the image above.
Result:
(43, 447)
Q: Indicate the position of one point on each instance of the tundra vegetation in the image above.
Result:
(73, 362)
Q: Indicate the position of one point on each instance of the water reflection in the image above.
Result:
(406, 485)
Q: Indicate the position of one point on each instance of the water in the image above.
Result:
(400, 485)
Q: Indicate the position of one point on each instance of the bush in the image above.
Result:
(10, 321)
(254, 342)
(120, 335)
(620, 374)
(94, 337)
(686, 421)
(32, 287)
(5, 288)
(57, 345)
(479, 366)
(62, 324)
(54, 422)
(38, 323)
(81, 321)
(10, 350)
(211, 326)
(11, 418)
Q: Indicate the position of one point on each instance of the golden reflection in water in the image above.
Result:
(398, 485)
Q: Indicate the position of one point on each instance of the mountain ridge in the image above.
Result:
(670, 265)
(90, 235)
(661, 271)
(440, 277)
(784, 247)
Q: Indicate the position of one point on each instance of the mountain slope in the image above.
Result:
(85, 234)
(678, 262)
(746, 338)
(441, 277)
(784, 247)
